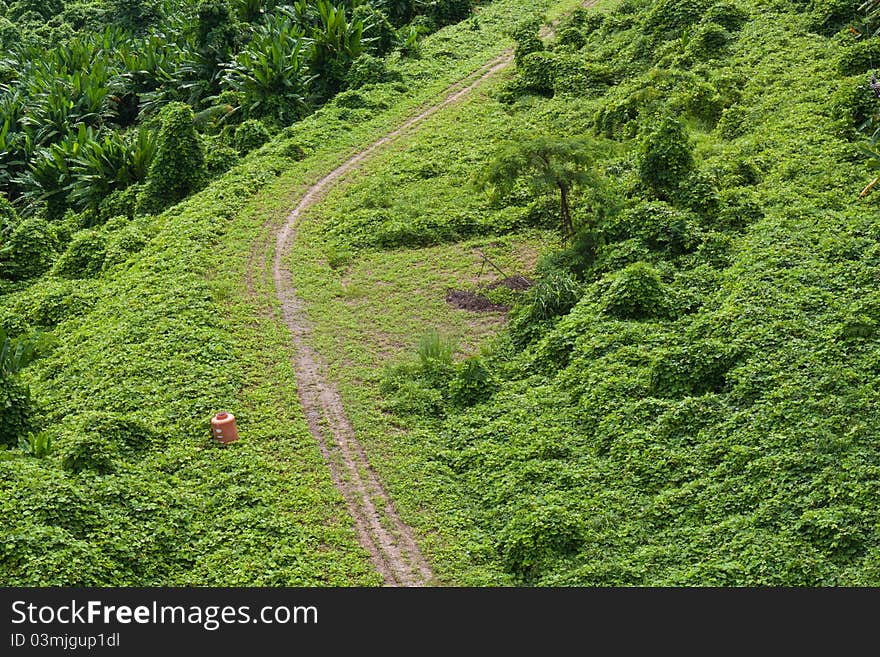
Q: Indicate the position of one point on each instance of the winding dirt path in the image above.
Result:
(388, 540)
(390, 543)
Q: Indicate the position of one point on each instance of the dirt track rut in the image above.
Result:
(388, 540)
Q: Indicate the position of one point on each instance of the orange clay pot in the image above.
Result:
(223, 428)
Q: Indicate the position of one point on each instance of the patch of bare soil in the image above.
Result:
(473, 302)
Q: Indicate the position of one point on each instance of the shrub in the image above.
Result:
(859, 57)
(527, 40)
(8, 217)
(120, 202)
(250, 135)
(436, 358)
(414, 398)
(365, 70)
(702, 101)
(536, 72)
(659, 226)
(707, 42)
(695, 369)
(853, 105)
(636, 292)
(126, 433)
(537, 536)
(828, 16)
(30, 250)
(122, 244)
(447, 12)
(52, 301)
(572, 38)
(670, 17)
(178, 168)
(699, 192)
(728, 15)
(377, 29)
(733, 122)
(89, 452)
(665, 157)
(219, 158)
(571, 75)
(576, 259)
(472, 383)
(555, 295)
(16, 408)
(84, 257)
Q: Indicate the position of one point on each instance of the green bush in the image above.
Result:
(707, 42)
(635, 293)
(554, 295)
(828, 16)
(659, 226)
(729, 15)
(16, 410)
(178, 168)
(366, 69)
(853, 105)
(219, 158)
(571, 75)
(52, 301)
(571, 38)
(669, 17)
(537, 536)
(122, 244)
(415, 398)
(30, 250)
(665, 158)
(84, 257)
(472, 383)
(89, 452)
(702, 101)
(377, 29)
(699, 193)
(250, 135)
(526, 40)
(126, 433)
(537, 72)
(120, 202)
(435, 353)
(8, 218)
(733, 122)
(859, 57)
(696, 369)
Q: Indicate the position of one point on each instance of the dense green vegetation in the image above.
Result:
(149, 329)
(82, 83)
(688, 395)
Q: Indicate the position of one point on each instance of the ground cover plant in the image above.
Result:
(688, 393)
(149, 329)
(611, 320)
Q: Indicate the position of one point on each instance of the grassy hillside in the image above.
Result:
(689, 396)
(147, 344)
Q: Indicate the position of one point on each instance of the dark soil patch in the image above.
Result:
(475, 303)
(516, 283)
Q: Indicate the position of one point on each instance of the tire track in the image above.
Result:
(389, 541)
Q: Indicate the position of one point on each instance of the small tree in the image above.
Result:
(545, 164)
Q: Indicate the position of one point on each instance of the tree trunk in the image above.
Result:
(567, 226)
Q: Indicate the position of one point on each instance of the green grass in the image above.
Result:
(726, 437)
(172, 336)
